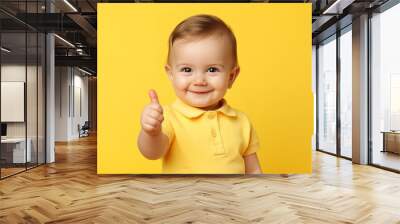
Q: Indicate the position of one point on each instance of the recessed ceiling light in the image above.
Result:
(338, 6)
(5, 50)
(70, 5)
(64, 40)
(84, 71)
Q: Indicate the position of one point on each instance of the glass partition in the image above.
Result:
(346, 93)
(385, 89)
(14, 154)
(32, 95)
(327, 95)
(22, 88)
(41, 107)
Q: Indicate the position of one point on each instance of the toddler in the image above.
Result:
(200, 133)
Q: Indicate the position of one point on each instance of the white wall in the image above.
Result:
(80, 83)
(62, 81)
(12, 73)
(12, 101)
(70, 83)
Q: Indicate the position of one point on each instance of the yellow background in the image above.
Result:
(273, 87)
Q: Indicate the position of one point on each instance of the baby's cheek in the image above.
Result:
(180, 84)
(221, 85)
(220, 80)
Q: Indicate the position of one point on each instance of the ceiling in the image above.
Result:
(76, 24)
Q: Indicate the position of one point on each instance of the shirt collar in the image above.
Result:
(192, 112)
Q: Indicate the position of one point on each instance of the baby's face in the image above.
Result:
(201, 70)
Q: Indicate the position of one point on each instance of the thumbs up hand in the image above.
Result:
(152, 116)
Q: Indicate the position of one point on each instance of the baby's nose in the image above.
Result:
(200, 83)
(200, 80)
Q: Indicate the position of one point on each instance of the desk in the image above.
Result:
(391, 141)
(16, 151)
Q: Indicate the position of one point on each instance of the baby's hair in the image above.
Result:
(201, 26)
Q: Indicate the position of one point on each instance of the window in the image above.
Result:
(346, 93)
(385, 88)
(327, 95)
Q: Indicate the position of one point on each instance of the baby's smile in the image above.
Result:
(200, 92)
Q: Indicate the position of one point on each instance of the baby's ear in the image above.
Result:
(168, 70)
(233, 75)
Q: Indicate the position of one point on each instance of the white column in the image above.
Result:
(50, 100)
(50, 93)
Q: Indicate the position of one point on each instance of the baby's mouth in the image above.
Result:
(199, 91)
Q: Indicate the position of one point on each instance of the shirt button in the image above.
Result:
(213, 134)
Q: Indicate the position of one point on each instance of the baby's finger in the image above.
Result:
(156, 115)
(147, 127)
(158, 118)
(157, 107)
(152, 121)
(153, 96)
(150, 129)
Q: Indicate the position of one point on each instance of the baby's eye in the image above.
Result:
(186, 69)
(212, 69)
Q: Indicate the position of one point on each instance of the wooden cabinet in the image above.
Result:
(391, 142)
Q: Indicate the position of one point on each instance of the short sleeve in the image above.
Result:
(167, 128)
(254, 144)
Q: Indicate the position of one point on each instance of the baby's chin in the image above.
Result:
(200, 103)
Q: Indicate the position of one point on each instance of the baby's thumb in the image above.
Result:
(153, 96)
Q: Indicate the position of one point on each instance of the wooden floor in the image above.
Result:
(387, 159)
(5, 172)
(70, 191)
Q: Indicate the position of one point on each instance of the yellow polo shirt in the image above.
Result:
(207, 142)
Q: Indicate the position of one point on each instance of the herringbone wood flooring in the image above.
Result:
(70, 191)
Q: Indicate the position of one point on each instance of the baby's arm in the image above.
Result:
(152, 143)
(252, 165)
(152, 146)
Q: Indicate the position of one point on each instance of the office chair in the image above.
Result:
(84, 130)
